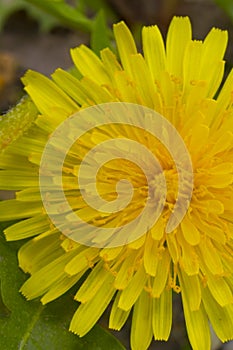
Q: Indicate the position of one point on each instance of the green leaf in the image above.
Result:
(96, 5)
(67, 14)
(227, 6)
(8, 7)
(45, 20)
(15, 122)
(30, 326)
(100, 37)
(4, 311)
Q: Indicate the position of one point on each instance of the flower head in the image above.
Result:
(179, 81)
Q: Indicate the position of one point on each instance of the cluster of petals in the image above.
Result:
(180, 80)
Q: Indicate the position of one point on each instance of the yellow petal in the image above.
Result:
(125, 44)
(189, 257)
(190, 232)
(220, 290)
(161, 276)
(220, 181)
(220, 317)
(157, 231)
(41, 281)
(96, 93)
(133, 290)
(93, 283)
(110, 62)
(40, 251)
(222, 143)
(12, 161)
(126, 89)
(178, 37)
(200, 134)
(167, 89)
(162, 315)
(209, 206)
(71, 85)
(214, 47)
(141, 329)
(154, 50)
(216, 79)
(192, 59)
(18, 179)
(81, 261)
(173, 247)
(50, 122)
(211, 230)
(27, 228)
(138, 243)
(118, 317)
(88, 314)
(190, 287)
(225, 95)
(125, 273)
(143, 80)
(12, 209)
(197, 326)
(68, 244)
(45, 94)
(27, 145)
(60, 288)
(28, 195)
(210, 257)
(151, 256)
(89, 64)
(109, 254)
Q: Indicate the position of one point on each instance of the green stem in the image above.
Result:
(67, 14)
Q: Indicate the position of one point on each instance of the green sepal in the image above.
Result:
(17, 121)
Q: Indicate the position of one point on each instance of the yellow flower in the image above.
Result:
(196, 259)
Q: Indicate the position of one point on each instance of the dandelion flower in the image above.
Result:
(179, 80)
